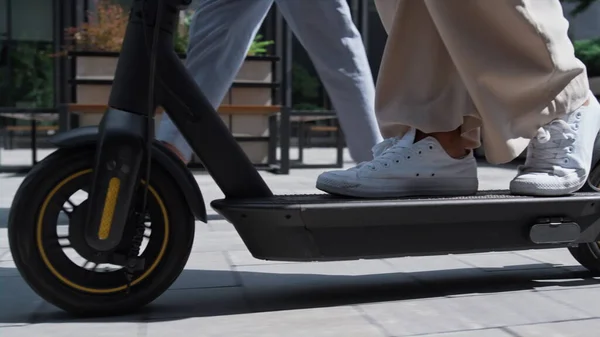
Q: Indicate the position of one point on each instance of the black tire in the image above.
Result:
(25, 220)
(588, 255)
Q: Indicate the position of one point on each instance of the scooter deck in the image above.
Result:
(326, 227)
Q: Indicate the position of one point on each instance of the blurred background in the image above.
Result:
(57, 58)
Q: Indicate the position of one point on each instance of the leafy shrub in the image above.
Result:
(588, 51)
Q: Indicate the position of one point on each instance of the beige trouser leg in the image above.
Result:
(506, 67)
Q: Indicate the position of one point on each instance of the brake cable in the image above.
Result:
(140, 217)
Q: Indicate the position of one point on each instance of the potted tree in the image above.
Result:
(94, 49)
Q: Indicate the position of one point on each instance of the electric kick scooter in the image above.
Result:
(142, 202)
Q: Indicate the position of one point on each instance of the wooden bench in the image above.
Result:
(225, 109)
(228, 113)
(323, 128)
(10, 130)
(30, 128)
(303, 118)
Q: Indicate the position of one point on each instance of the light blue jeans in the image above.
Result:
(222, 31)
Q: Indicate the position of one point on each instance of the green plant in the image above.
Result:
(580, 5)
(31, 76)
(303, 83)
(588, 51)
(182, 35)
(259, 47)
(106, 28)
(305, 89)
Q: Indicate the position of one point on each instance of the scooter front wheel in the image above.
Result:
(47, 243)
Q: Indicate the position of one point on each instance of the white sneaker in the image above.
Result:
(559, 158)
(402, 168)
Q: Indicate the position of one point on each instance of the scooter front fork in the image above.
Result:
(124, 128)
(120, 151)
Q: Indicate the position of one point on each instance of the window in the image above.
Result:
(26, 65)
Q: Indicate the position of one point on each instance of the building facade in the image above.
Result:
(32, 32)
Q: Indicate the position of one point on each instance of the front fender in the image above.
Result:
(88, 136)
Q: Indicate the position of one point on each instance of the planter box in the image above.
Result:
(253, 85)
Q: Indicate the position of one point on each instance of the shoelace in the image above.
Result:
(389, 146)
(550, 147)
(379, 149)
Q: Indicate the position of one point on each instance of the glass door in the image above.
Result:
(4, 53)
(27, 70)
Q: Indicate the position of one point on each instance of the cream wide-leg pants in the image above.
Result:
(505, 67)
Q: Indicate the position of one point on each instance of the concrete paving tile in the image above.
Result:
(473, 333)
(568, 280)
(501, 261)
(319, 274)
(511, 280)
(19, 305)
(73, 330)
(217, 242)
(436, 269)
(17, 301)
(578, 328)
(557, 257)
(428, 263)
(7, 257)
(306, 285)
(8, 268)
(584, 299)
(467, 313)
(452, 277)
(201, 227)
(208, 302)
(244, 258)
(4, 239)
(205, 270)
(220, 226)
(321, 322)
(5, 254)
(445, 274)
(10, 325)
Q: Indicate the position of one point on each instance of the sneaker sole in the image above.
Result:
(530, 189)
(408, 188)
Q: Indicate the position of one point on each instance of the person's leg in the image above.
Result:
(527, 83)
(418, 87)
(221, 33)
(418, 84)
(516, 62)
(327, 32)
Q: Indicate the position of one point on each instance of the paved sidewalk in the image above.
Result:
(224, 291)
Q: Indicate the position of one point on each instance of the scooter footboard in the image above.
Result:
(325, 227)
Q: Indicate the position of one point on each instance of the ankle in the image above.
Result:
(451, 142)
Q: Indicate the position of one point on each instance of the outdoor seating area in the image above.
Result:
(285, 130)
(277, 108)
(263, 109)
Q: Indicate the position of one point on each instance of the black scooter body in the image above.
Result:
(325, 227)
